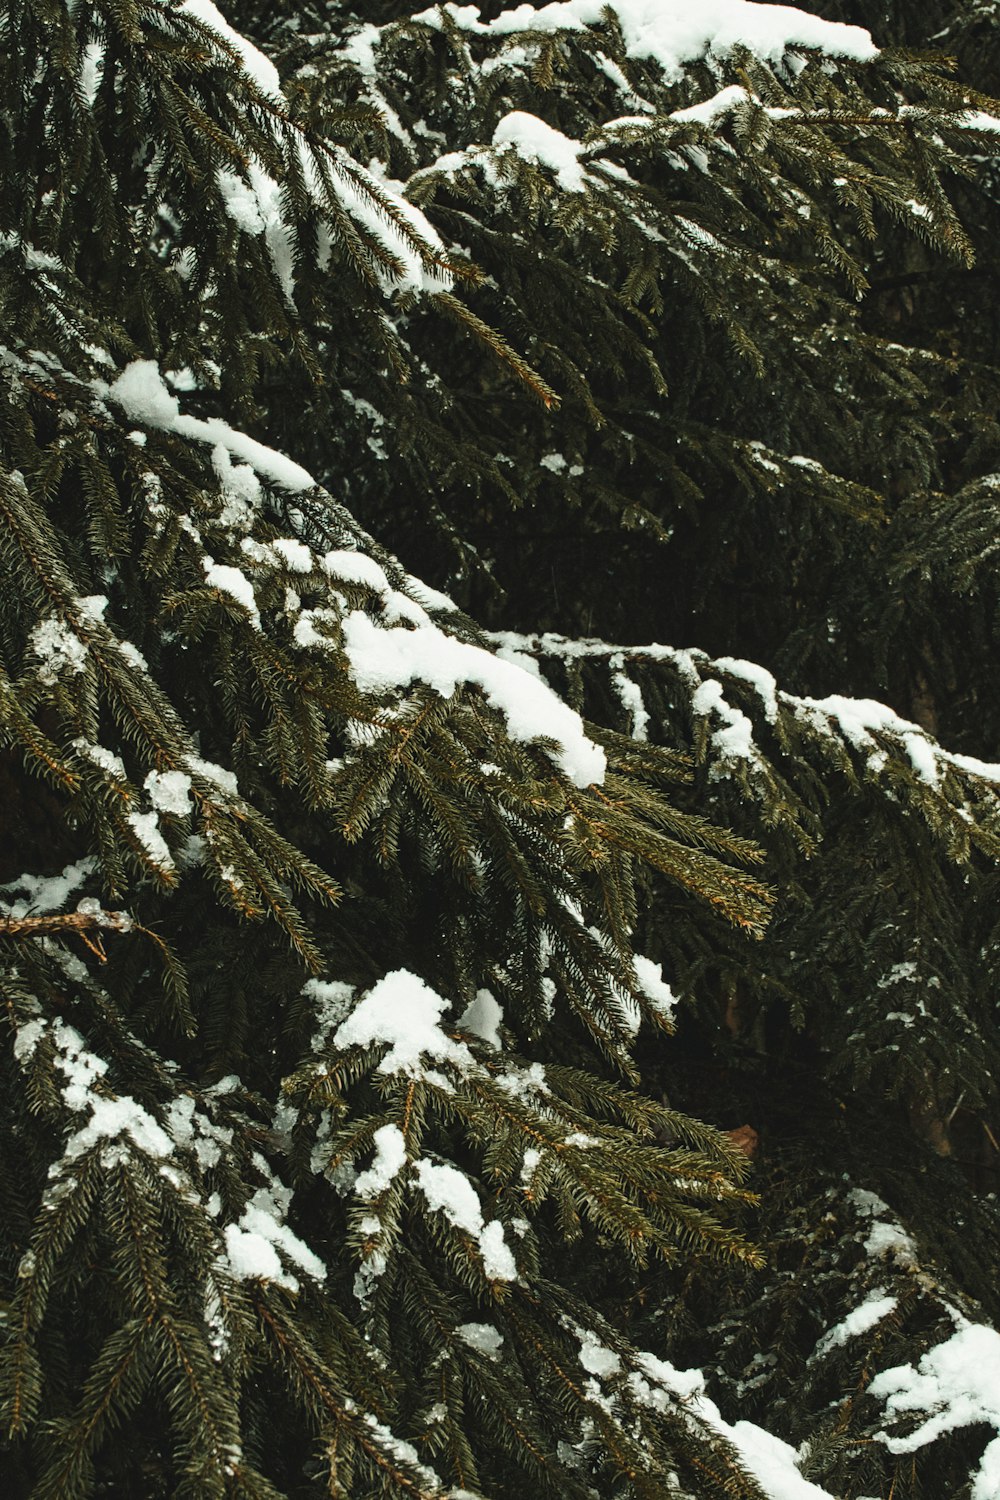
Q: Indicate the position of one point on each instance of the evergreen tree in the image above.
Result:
(345, 1147)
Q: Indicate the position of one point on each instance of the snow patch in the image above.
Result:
(385, 660)
(390, 1158)
(404, 1012)
(675, 32)
(535, 141)
(482, 1017)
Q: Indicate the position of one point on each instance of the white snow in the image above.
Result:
(404, 1012)
(630, 696)
(92, 606)
(112, 1118)
(241, 202)
(482, 1337)
(655, 988)
(977, 119)
(109, 1119)
(770, 1460)
(535, 141)
(251, 1256)
(595, 1357)
(855, 720)
(957, 1383)
(59, 650)
(192, 1129)
(235, 583)
(390, 1158)
(241, 490)
(482, 1017)
(142, 394)
(886, 1236)
(407, 235)
(450, 1191)
(147, 830)
(709, 110)
(91, 71)
(105, 760)
(428, 597)
(332, 999)
(386, 659)
(876, 1306)
(260, 68)
(218, 776)
(47, 893)
(860, 719)
(355, 567)
(169, 792)
(295, 555)
(676, 32)
(734, 741)
(759, 678)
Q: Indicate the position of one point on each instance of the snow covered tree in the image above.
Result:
(346, 1150)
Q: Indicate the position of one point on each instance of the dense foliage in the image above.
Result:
(455, 1042)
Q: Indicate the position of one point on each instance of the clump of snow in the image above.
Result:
(876, 1306)
(630, 696)
(59, 650)
(240, 487)
(655, 988)
(958, 1384)
(147, 830)
(332, 999)
(192, 1129)
(483, 1337)
(535, 141)
(355, 567)
(92, 606)
(675, 32)
(105, 760)
(169, 792)
(143, 396)
(217, 776)
(44, 894)
(529, 1165)
(111, 1121)
(482, 1017)
(595, 1357)
(383, 660)
(707, 111)
(295, 555)
(390, 1158)
(403, 230)
(524, 1083)
(240, 202)
(404, 1012)
(734, 741)
(253, 1242)
(759, 678)
(252, 1256)
(91, 71)
(860, 719)
(260, 68)
(112, 1118)
(235, 583)
(141, 392)
(772, 1462)
(450, 1191)
(886, 1236)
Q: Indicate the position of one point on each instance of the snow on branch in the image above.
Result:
(863, 725)
(673, 33)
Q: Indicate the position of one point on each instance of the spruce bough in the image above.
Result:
(336, 1155)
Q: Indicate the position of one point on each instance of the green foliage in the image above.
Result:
(346, 1147)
